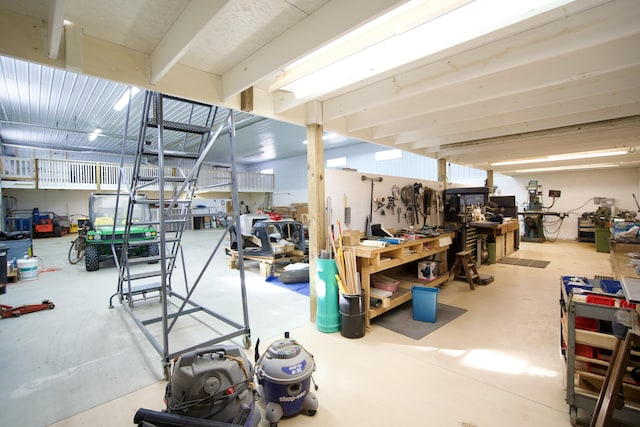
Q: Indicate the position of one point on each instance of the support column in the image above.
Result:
(442, 172)
(490, 181)
(316, 197)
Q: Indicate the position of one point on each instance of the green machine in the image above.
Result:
(533, 216)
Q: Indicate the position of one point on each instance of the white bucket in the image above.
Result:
(28, 268)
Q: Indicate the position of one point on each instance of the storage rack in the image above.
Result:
(587, 341)
(586, 230)
(373, 260)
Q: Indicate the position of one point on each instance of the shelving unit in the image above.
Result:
(586, 230)
(587, 343)
(374, 260)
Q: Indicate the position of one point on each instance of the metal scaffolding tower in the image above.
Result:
(184, 135)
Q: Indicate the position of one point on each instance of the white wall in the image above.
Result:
(578, 190)
(339, 183)
(61, 202)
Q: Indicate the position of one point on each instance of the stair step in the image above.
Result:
(141, 289)
(166, 179)
(143, 275)
(180, 127)
(157, 202)
(166, 221)
(172, 153)
(138, 243)
(147, 259)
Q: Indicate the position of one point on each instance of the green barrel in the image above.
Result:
(327, 315)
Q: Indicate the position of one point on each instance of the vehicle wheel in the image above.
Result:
(76, 251)
(92, 258)
(57, 231)
(153, 250)
(51, 306)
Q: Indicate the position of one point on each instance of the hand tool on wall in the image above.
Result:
(347, 211)
(406, 195)
(369, 218)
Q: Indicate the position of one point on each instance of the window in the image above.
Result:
(267, 171)
(338, 161)
(388, 155)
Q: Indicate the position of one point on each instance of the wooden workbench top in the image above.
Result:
(417, 245)
(622, 259)
(506, 226)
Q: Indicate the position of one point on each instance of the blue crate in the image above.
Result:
(610, 286)
(576, 282)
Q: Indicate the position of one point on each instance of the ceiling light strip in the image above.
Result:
(472, 20)
(563, 157)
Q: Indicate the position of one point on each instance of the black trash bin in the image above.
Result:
(4, 249)
(352, 315)
(198, 222)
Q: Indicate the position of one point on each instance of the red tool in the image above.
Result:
(8, 311)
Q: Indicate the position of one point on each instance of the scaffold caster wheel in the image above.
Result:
(246, 341)
(573, 415)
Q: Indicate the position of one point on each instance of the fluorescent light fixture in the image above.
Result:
(95, 134)
(124, 99)
(566, 168)
(267, 171)
(561, 157)
(388, 155)
(416, 31)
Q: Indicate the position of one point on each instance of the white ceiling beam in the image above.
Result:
(603, 86)
(74, 48)
(582, 107)
(179, 38)
(451, 140)
(326, 24)
(599, 25)
(590, 94)
(55, 27)
(539, 86)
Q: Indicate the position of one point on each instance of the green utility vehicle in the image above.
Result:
(105, 229)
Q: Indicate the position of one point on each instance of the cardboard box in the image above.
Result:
(427, 271)
(351, 237)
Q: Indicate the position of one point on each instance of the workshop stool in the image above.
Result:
(464, 264)
(626, 328)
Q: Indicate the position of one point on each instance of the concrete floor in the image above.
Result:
(497, 365)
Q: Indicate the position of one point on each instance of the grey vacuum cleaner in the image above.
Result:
(208, 387)
(284, 373)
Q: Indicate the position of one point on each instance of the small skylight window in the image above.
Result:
(388, 155)
(267, 171)
(338, 161)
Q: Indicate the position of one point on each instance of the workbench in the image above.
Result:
(373, 260)
(505, 235)
(623, 264)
